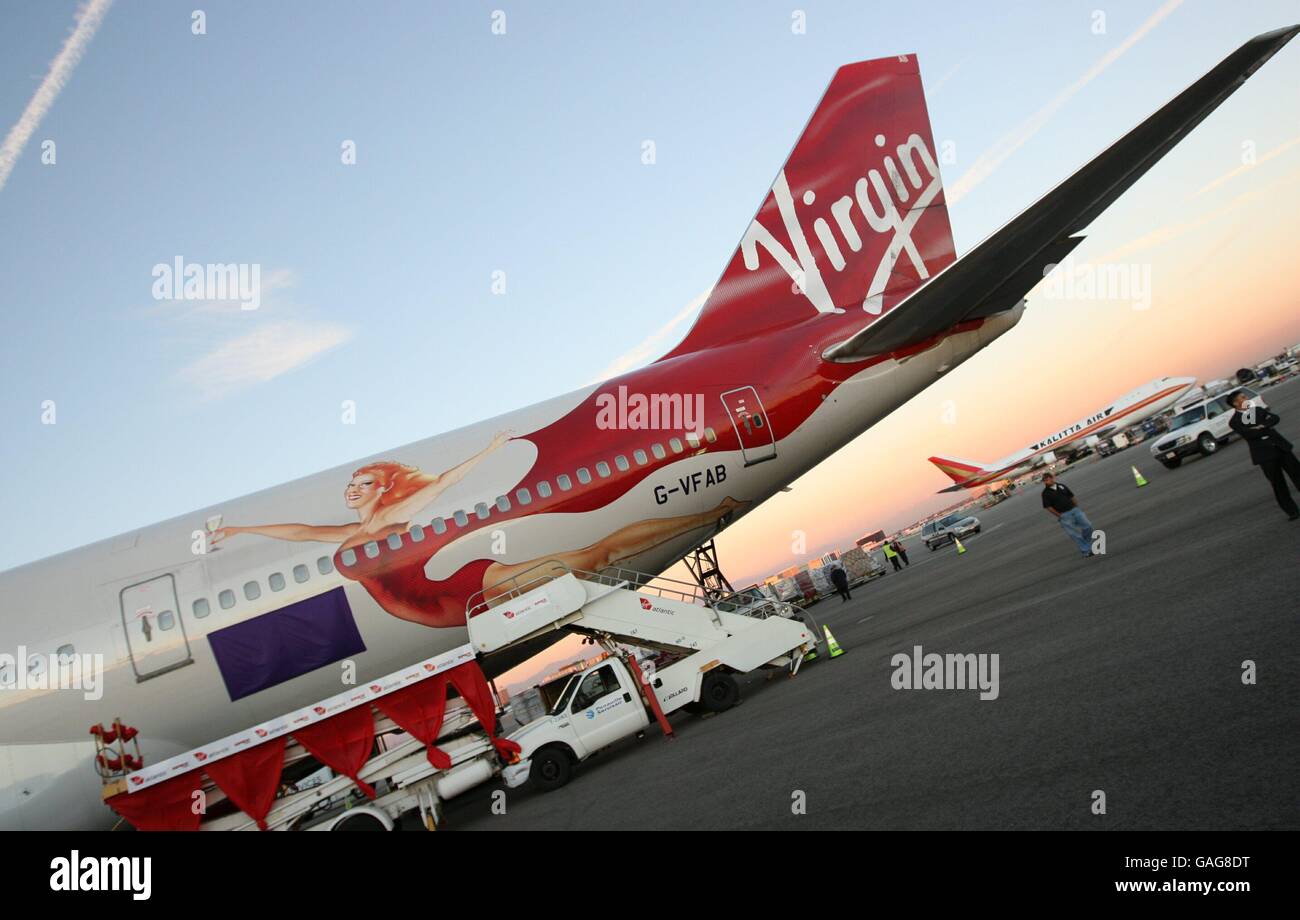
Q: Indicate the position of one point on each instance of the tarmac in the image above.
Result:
(1120, 682)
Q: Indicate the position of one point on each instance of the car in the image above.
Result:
(945, 530)
(1199, 427)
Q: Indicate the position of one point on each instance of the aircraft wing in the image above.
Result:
(996, 274)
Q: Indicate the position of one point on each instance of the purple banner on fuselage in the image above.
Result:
(285, 643)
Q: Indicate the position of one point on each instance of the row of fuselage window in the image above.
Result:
(524, 496)
(325, 565)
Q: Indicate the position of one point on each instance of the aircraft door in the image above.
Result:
(757, 440)
(155, 627)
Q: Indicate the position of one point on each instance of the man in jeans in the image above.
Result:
(1059, 500)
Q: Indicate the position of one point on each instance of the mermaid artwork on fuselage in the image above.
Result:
(386, 495)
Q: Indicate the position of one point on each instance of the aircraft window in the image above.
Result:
(692, 440)
(676, 445)
(439, 525)
(300, 573)
(371, 549)
(481, 510)
(710, 435)
(166, 620)
(658, 451)
(417, 533)
(65, 652)
(544, 489)
(252, 590)
(201, 608)
(640, 457)
(602, 469)
(564, 482)
(325, 565)
(276, 581)
(461, 518)
(503, 503)
(349, 557)
(524, 496)
(394, 541)
(226, 599)
(621, 462)
(584, 475)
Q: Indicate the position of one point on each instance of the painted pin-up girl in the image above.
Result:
(386, 495)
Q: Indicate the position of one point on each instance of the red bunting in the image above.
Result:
(167, 806)
(251, 778)
(418, 710)
(343, 743)
(473, 686)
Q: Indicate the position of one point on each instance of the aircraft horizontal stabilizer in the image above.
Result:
(997, 273)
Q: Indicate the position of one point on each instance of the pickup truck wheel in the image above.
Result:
(1172, 464)
(1207, 444)
(719, 692)
(359, 822)
(550, 770)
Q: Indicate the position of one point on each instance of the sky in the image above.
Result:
(485, 158)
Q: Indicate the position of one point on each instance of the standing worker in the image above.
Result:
(902, 553)
(1059, 500)
(892, 556)
(840, 579)
(1269, 451)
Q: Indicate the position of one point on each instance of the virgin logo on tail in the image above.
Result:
(878, 204)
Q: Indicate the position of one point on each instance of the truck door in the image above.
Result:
(155, 627)
(605, 710)
(757, 442)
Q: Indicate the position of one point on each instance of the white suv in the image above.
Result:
(1198, 428)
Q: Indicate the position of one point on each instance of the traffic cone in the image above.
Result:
(831, 644)
(1137, 477)
(812, 655)
(960, 549)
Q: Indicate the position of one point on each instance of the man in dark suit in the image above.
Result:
(1269, 451)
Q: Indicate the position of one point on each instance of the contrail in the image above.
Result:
(89, 16)
(1014, 140)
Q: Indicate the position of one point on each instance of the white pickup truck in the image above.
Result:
(1198, 428)
(702, 643)
(602, 705)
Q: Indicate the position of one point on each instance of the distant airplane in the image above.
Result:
(1131, 408)
(842, 301)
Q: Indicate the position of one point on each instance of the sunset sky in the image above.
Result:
(521, 153)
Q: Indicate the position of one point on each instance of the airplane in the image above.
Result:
(1138, 405)
(843, 300)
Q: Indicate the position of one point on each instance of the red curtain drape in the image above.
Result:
(343, 743)
(251, 778)
(473, 686)
(419, 710)
(167, 806)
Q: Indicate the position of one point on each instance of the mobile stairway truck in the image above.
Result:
(414, 764)
(702, 641)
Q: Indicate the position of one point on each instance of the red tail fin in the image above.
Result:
(959, 471)
(855, 220)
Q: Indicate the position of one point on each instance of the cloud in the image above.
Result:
(1233, 173)
(89, 17)
(261, 355)
(653, 345)
(1009, 143)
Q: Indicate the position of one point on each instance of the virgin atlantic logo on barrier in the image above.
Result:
(877, 202)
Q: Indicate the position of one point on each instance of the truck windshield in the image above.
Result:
(952, 519)
(562, 703)
(1190, 417)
